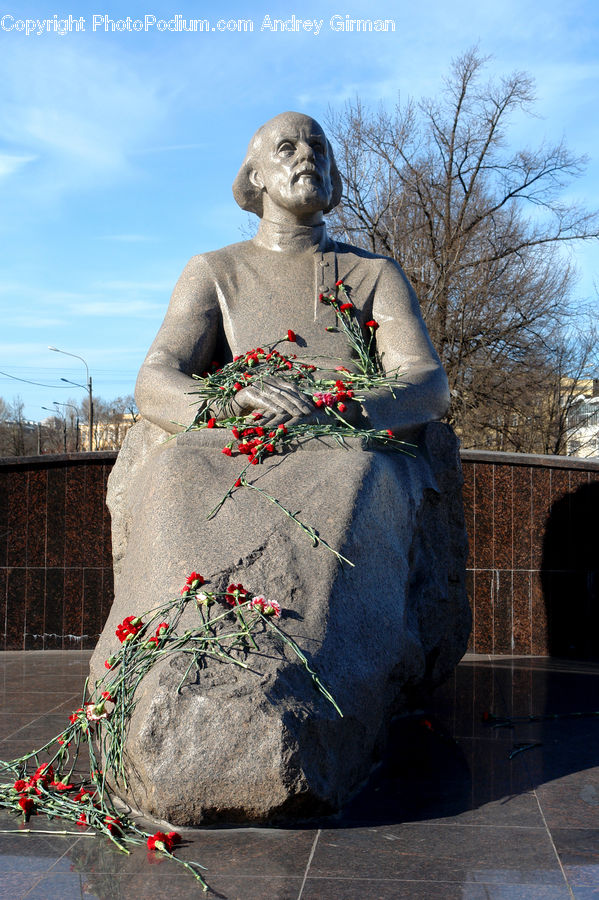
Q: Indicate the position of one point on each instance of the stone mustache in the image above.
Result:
(262, 745)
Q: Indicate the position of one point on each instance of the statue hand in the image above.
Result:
(277, 400)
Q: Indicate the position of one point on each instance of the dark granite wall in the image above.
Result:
(534, 564)
(533, 569)
(55, 555)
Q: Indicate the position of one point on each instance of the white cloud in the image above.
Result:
(9, 163)
(80, 114)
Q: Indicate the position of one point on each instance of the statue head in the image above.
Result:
(290, 162)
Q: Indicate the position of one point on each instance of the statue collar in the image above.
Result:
(292, 238)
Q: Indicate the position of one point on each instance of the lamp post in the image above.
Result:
(70, 405)
(88, 388)
(64, 426)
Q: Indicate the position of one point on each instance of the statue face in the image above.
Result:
(293, 165)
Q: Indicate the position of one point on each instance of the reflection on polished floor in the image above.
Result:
(447, 815)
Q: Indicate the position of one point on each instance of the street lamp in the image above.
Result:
(88, 388)
(64, 426)
(71, 406)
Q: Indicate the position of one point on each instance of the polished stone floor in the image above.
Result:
(447, 815)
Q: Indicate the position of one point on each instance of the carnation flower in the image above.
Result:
(27, 805)
(61, 786)
(162, 841)
(291, 336)
(266, 607)
(372, 324)
(128, 628)
(112, 824)
(195, 580)
(96, 711)
(323, 398)
(236, 593)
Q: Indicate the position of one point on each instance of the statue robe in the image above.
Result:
(263, 745)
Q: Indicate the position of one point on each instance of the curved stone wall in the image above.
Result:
(533, 569)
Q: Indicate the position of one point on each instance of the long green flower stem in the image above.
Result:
(307, 529)
(103, 718)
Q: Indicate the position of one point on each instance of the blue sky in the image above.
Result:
(118, 149)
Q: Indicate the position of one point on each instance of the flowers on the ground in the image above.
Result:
(162, 841)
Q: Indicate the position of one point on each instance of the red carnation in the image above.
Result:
(61, 786)
(27, 805)
(211, 423)
(372, 324)
(346, 306)
(291, 336)
(236, 593)
(162, 841)
(339, 283)
(20, 785)
(128, 628)
(193, 581)
(112, 824)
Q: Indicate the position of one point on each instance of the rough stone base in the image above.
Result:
(264, 745)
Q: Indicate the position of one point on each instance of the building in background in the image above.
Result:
(583, 420)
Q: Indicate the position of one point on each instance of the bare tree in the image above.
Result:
(477, 228)
(18, 436)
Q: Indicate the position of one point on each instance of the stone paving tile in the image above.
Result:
(393, 889)
(224, 852)
(439, 853)
(571, 801)
(445, 815)
(578, 850)
(157, 886)
(16, 885)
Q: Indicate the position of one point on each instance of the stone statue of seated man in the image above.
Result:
(235, 745)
